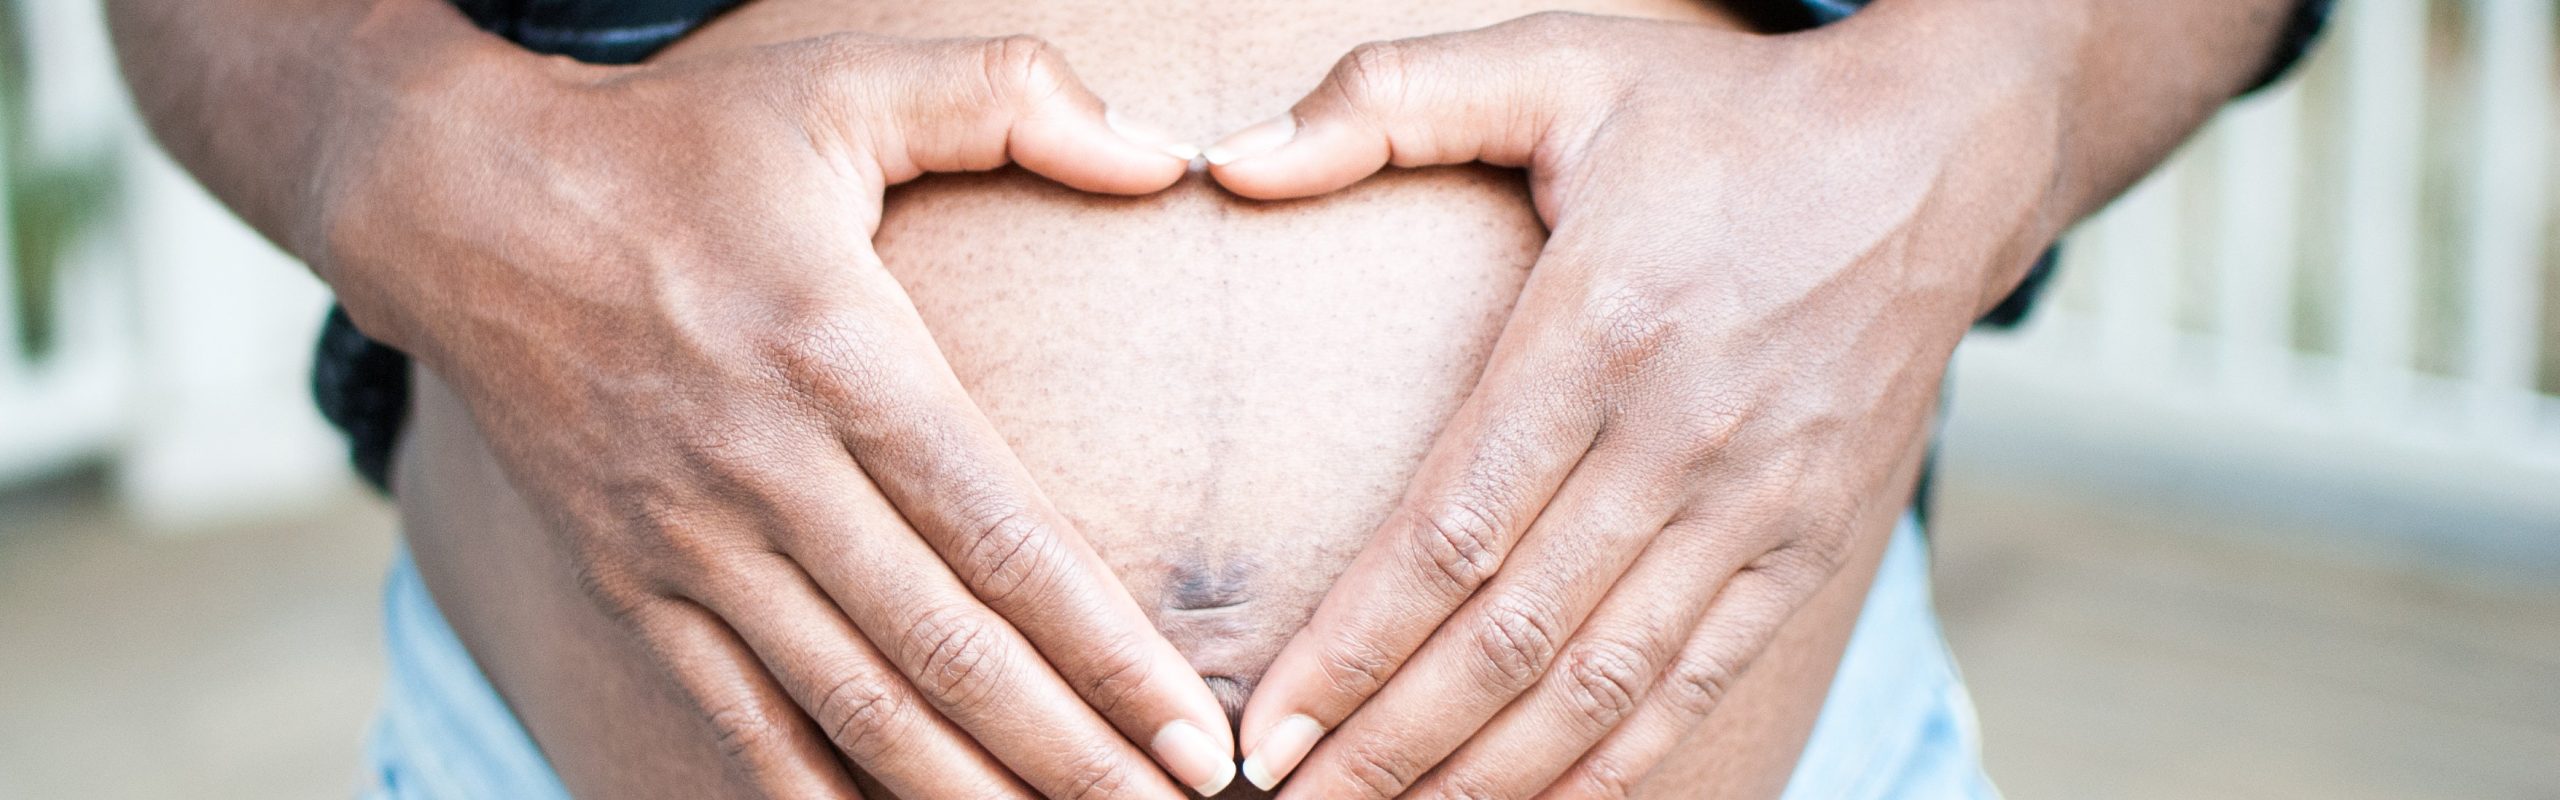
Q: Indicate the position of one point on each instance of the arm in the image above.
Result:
(653, 289)
(1763, 251)
(244, 94)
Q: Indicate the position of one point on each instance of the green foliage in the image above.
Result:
(50, 204)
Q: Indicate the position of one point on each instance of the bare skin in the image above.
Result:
(656, 290)
(1222, 395)
(1765, 250)
(735, 426)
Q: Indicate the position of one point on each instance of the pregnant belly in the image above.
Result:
(1225, 396)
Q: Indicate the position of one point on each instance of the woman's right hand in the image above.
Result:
(655, 289)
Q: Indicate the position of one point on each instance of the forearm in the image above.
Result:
(249, 94)
(2143, 75)
(2123, 81)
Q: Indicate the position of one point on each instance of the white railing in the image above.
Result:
(68, 403)
(2342, 278)
(181, 340)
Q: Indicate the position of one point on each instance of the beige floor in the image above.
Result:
(2116, 651)
(229, 664)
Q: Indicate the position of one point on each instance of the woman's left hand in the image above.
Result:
(1764, 250)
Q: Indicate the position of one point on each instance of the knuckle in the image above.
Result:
(1460, 542)
(1377, 772)
(652, 512)
(682, 540)
(1374, 74)
(1121, 673)
(1631, 325)
(953, 655)
(1784, 474)
(817, 350)
(1094, 777)
(1814, 556)
(700, 560)
(1603, 680)
(744, 734)
(679, 529)
(1007, 552)
(648, 536)
(1020, 67)
(613, 589)
(1696, 685)
(1354, 667)
(731, 452)
(861, 717)
(1825, 554)
(1461, 784)
(1605, 777)
(1704, 429)
(1516, 639)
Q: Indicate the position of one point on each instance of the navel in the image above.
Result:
(1201, 586)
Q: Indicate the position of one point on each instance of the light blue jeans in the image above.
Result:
(1897, 723)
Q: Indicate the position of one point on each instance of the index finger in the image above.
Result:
(1499, 95)
(957, 105)
(1486, 478)
(925, 444)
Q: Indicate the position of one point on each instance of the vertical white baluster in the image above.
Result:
(59, 408)
(2254, 251)
(2136, 295)
(13, 369)
(2386, 69)
(2511, 70)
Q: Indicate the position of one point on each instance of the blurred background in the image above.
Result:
(2263, 502)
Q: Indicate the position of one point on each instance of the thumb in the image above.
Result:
(1481, 95)
(957, 105)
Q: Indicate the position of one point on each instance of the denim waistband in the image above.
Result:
(1896, 724)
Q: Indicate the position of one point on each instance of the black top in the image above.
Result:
(363, 385)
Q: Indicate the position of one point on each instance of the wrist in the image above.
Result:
(412, 82)
(414, 89)
(1989, 84)
(426, 52)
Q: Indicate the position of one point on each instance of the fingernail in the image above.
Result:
(1148, 135)
(1262, 137)
(1194, 758)
(1281, 750)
